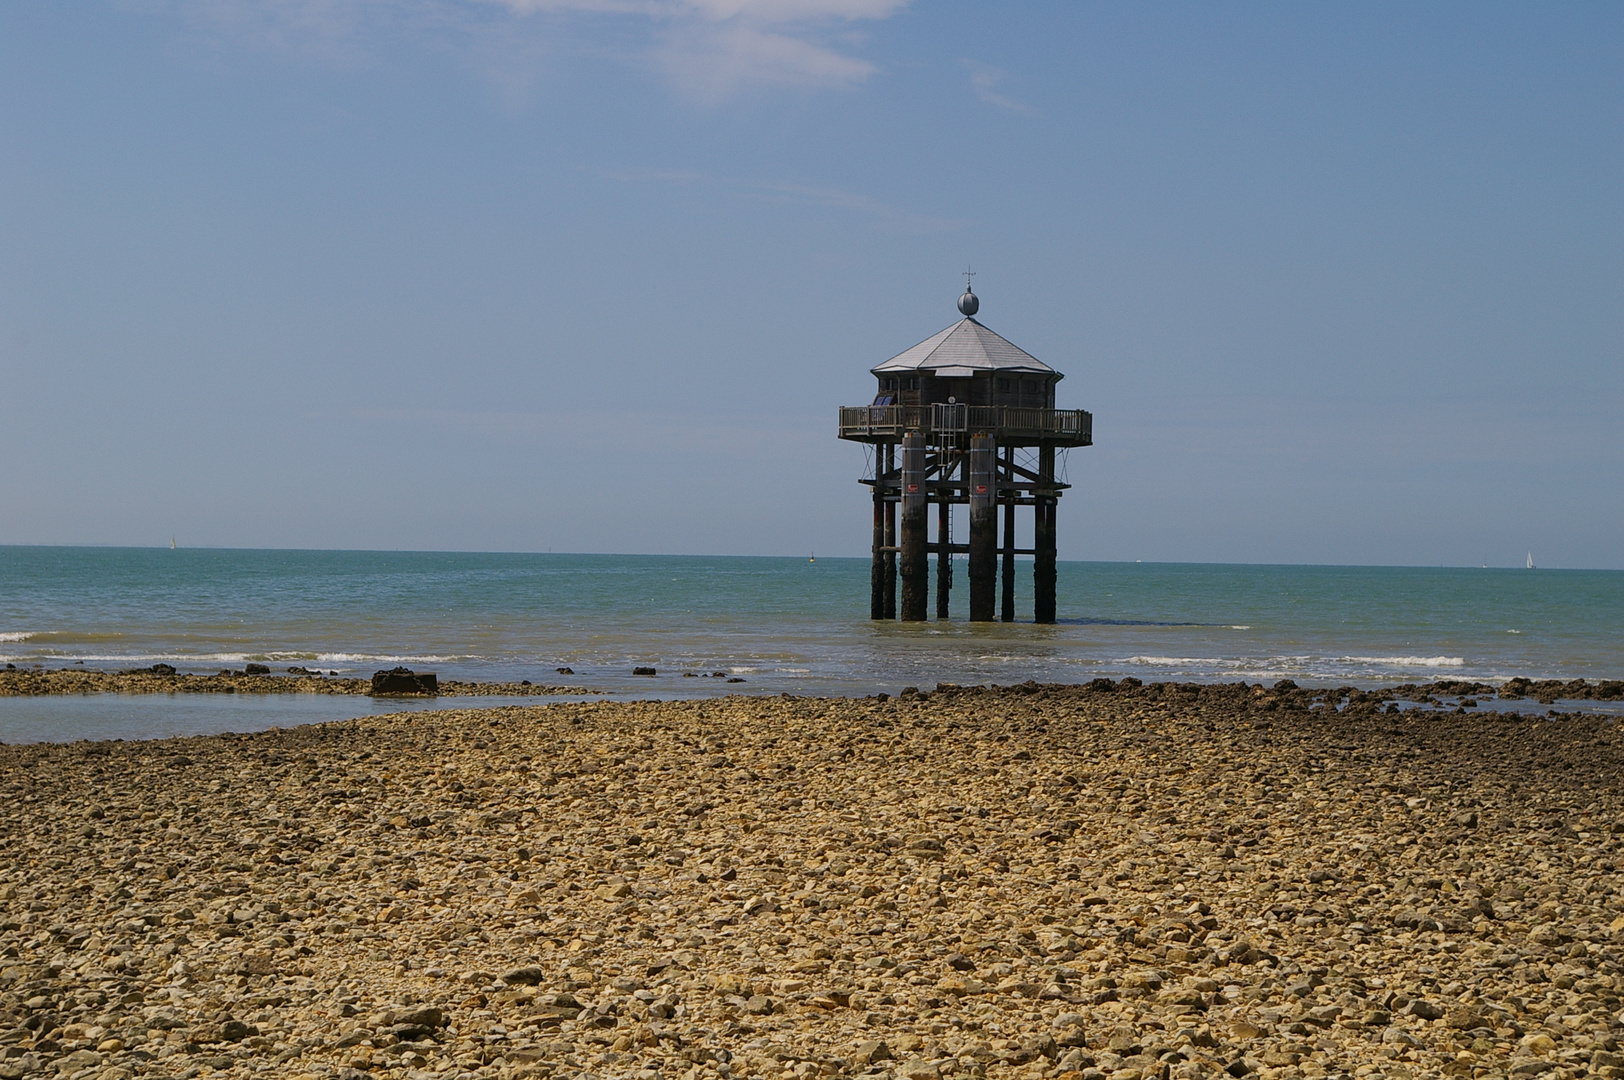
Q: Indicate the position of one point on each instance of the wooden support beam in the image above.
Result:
(1043, 543)
(964, 549)
(935, 489)
(1008, 610)
(914, 563)
(983, 484)
(890, 540)
(944, 557)
(876, 569)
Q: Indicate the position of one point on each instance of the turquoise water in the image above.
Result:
(786, 625)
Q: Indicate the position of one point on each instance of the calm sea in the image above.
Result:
(782, 625)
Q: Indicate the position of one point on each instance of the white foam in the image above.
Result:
(1240, 628)
(244, 657)
(1178, 661)
(1407, 661)
(217, 659)
(369, 658)
(136, 658)
(16, 635)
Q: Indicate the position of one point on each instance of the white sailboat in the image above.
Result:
(1530, 560)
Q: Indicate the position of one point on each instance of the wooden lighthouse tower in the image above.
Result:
(963, 418)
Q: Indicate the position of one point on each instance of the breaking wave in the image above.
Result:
(1180, 661)
(1407, 661)
(196, 659)
(372, 658)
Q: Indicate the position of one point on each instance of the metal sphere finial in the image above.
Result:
(969, 304)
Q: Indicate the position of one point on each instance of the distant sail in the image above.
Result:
(1530, 560)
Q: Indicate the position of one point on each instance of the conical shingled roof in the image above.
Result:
(965, 349)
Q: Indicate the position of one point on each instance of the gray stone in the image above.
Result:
(525, 976)
(425, 1017)
(403, 680)
(1426, 1010)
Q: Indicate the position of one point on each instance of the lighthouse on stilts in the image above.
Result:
(963, 418)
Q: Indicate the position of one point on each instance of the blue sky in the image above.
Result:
(1340, 283)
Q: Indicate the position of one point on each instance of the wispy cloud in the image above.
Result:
(772, 11)
(711, 62)
(713, 48)
(878, 214)
(709, 49)
(984, 79)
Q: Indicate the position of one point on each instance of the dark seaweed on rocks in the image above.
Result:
(254, 679)
(1549, 691)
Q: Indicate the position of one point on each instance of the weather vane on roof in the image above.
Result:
(968, 303)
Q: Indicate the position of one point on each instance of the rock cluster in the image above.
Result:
(404, 681)
(163, 679)
(1110, 881)
(1549, 690)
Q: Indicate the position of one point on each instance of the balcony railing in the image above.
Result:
(874, 423)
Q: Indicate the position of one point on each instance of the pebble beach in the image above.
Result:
(1112, 880)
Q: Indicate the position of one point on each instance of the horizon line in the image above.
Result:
(810, 556)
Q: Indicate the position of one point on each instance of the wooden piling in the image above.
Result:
(914, 563)
(890, 587)
(890, 533)
(1008, 612)
(1044, 515)
(944, 556)
(876, 569)
(983, 569)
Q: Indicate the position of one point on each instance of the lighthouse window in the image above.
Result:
(1003, 386)
(1029, 386)
(888, 384)
(910, 382)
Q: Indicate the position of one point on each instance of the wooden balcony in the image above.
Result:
(1010, 426)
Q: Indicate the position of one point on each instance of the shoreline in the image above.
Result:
(1109, 880)
(44, 682)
